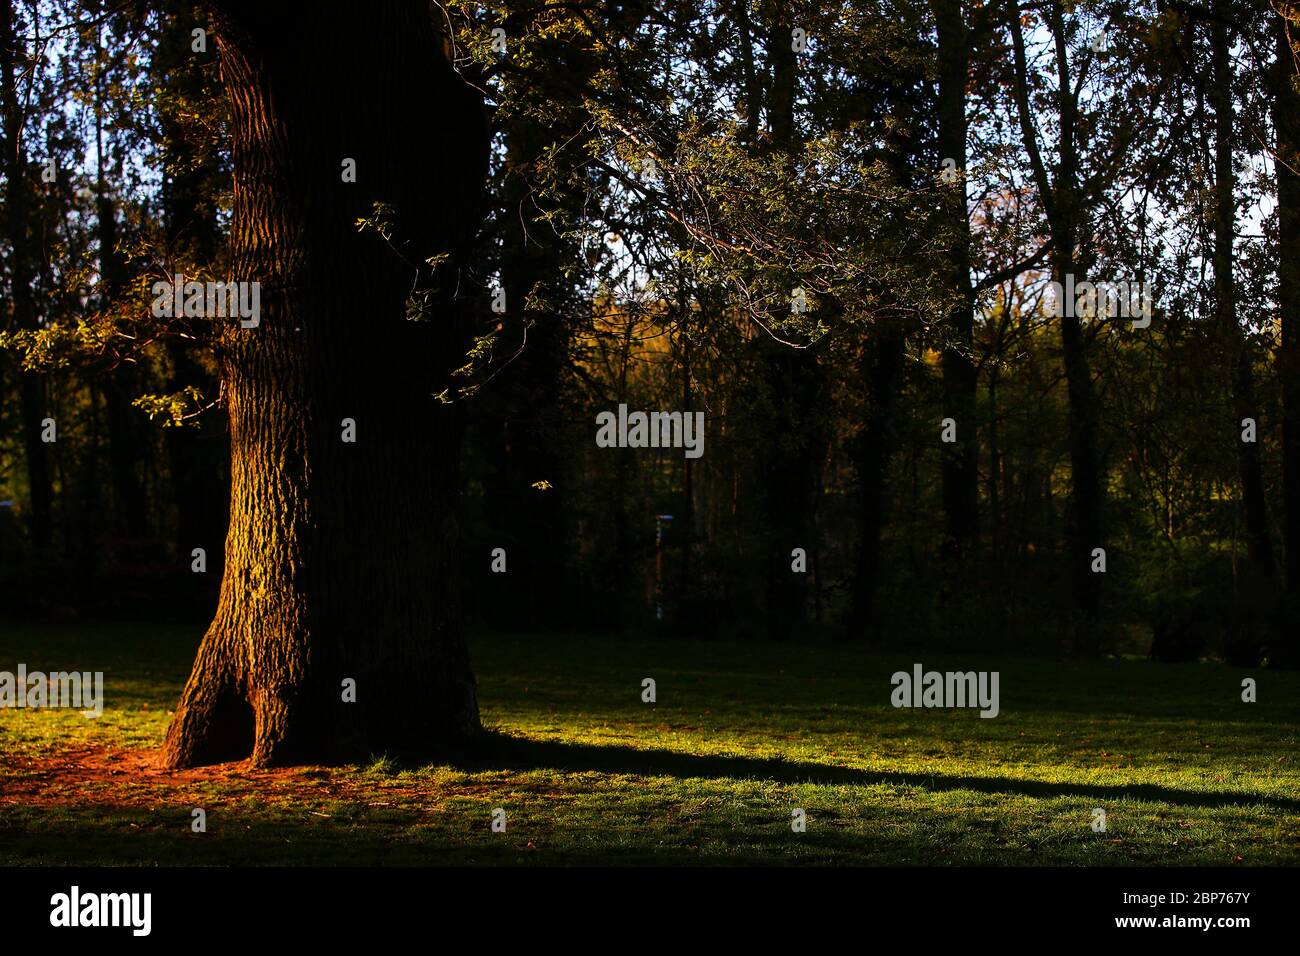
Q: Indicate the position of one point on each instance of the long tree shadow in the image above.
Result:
(500, 751)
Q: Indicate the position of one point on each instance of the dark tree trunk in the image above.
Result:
(1062, 201)
(342, 559)
(883, 364)
(792, 381)
(1236, 348)
(127, 444)
(686, 520)
(33, 407)
(528, 417)
(127, 452)
(784, 66)
(198, 453)
(1286, 119)
(1086, 494)
(793, 385)
(961, 459)
(752, 102)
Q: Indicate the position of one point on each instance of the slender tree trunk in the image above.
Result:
(686, 521)
(1259, 546)
(1286, 119)
(791, 380)
(198, 454)
(784, 67)
(342, 558)
(1256, 584)
(883, 363)
(1062, 202)
(752, 102)
(127, 446)
(961, 460)
(32, 399)
(527, 414)
(995, 467)
(883, 366)
(1086, 494)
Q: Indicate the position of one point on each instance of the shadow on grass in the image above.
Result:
(500, 751)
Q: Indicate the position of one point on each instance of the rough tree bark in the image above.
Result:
(341, 559)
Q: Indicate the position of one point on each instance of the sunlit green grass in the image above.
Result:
(739, 736)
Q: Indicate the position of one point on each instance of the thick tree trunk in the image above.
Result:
(341, 560)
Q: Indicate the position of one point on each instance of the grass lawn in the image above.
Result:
(1186, 772)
